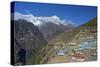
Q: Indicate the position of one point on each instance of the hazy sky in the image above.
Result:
(77, 14)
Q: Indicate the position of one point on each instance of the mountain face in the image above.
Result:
(27, 41)
(88, 28)
(49, 26)
(50, 30)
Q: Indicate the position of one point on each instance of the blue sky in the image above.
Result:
(77, 14)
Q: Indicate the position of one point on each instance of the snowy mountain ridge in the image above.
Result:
(37, 21)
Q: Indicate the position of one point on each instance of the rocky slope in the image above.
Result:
(50, 30)
(49, 26)
(28, 41)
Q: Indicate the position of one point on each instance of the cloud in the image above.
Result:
(40, 20)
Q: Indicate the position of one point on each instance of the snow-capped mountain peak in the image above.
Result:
(39, 20)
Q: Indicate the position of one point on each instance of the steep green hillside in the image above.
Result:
(90, 24)
(68, 35)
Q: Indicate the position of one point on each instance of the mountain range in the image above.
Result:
(33, 34)
(48, 26)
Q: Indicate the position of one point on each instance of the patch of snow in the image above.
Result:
(40, 20)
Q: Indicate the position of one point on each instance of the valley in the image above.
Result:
(72, 45)
(81, 47)
(48, 33)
